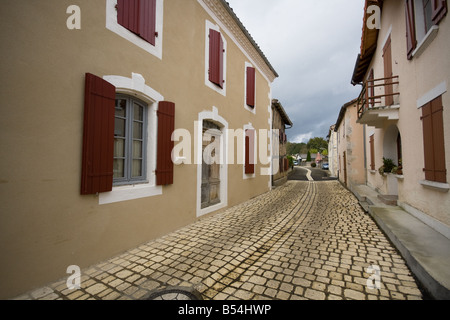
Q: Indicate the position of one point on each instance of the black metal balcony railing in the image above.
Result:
(368, 99)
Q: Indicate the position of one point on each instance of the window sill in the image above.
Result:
(426, 41)
(125, 193)
(373, 171)
(438, 186)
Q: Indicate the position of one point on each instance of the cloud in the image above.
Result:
(313, 46)
(302, 138)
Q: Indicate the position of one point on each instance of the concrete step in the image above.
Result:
(390, 200)
(426, 251)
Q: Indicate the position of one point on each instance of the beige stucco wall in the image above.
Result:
(46, 225)
(418, 77)
(350, 139)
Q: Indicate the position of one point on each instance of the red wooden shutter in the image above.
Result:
(251, 77)
(147, 20)
(439, 10)
(440, 171)
(387, 58)
(249, 151)
(372, 152)
(216, 58)
(128, 14)
(98, 137)
(410, 28)
(433, 139)
(166, 126)
(138, 16)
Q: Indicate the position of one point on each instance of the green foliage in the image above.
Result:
(296, 148)
(291, 161)
(317, 143)
(308, 157)
(313, 164)
(388, 166)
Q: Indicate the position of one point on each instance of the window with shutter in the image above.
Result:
(98, 136)
(251, 78)
(216, 52)
(372, 152)
(439, 10)
(433, 139)
(249, 151)
(139, 17)
(410, 28)
(166, 126)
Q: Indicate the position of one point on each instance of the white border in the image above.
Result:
(114, 26)
(135, 86)
(437, 91)
(214, 116)
(223, 91)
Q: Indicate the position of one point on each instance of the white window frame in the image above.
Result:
(136, 87)
(113, 25)
(223, 91)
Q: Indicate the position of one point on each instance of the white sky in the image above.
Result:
(313, 46)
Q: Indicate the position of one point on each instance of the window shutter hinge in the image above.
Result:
(116, 7)
(156, 34)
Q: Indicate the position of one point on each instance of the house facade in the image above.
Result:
(126, 120)
(280, 162)
(350, 147)
(404, 105)
(332, 151)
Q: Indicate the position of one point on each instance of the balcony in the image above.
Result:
(379, 101)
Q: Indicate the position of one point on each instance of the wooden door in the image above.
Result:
(210, 192)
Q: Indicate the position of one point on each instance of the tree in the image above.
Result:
(308, 157)
(317, 143)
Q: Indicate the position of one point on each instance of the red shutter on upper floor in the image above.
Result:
(147, 20)
(411, 40)
(216, 58)
(249, 151)
(251, 77)
(166, 126)
(98, 136)
(439, 10)
(128, 14)
(138, 16)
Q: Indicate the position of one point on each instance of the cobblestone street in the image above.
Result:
(303, 240)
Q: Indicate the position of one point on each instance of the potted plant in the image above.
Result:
(387, 167)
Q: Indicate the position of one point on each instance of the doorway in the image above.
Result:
(211, 148)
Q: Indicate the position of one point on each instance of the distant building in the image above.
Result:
(350, 146)
(280, 122)
(332, 151)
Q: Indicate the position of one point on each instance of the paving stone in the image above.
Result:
(279, 245)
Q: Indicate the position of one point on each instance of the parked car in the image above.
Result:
(325, 166)
(295, 163)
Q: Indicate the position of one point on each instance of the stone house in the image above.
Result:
(119, 127)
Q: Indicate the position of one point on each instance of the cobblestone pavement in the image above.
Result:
(303, 240)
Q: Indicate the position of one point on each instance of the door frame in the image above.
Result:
(212, 116)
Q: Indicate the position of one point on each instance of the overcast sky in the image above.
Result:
(313, 46)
